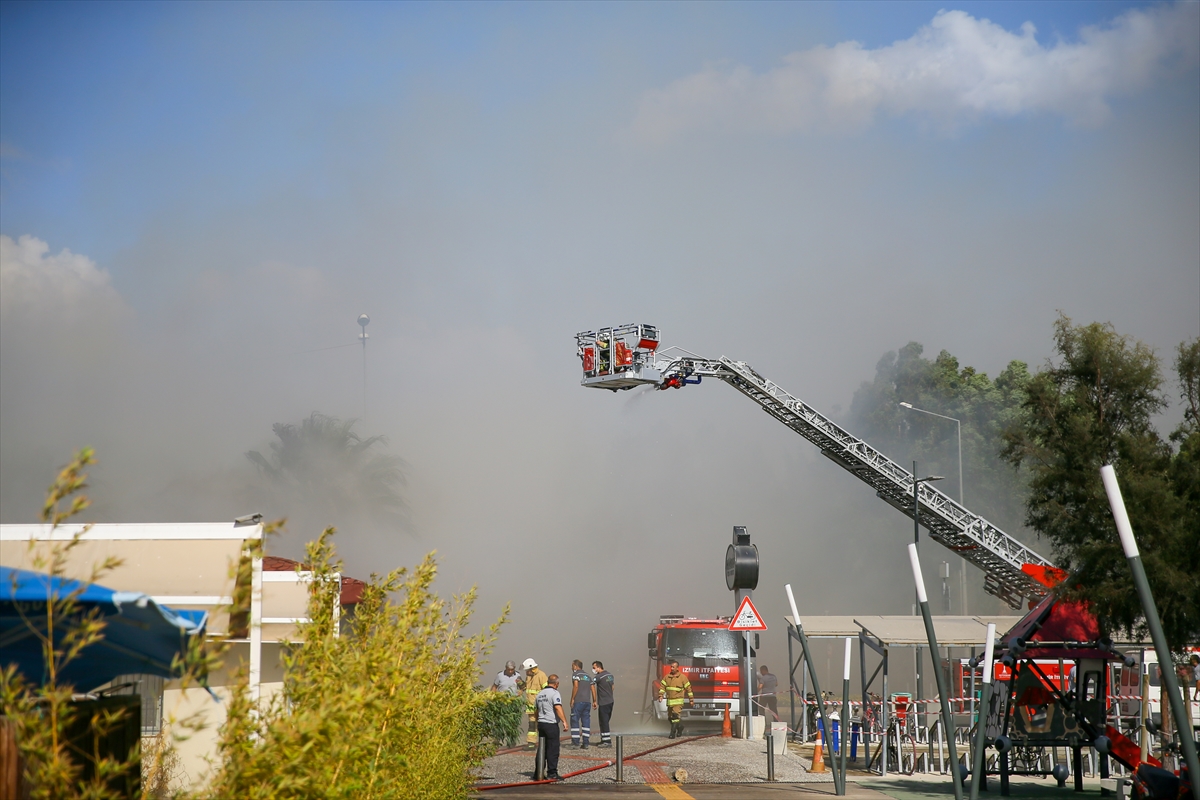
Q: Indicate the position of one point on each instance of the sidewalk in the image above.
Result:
(709, 760)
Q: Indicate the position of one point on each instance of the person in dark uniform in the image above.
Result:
(549, 714)
(603, 680)
(583, 699)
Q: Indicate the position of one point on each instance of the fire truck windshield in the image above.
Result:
(701, 643)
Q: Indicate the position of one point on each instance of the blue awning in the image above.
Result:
(140, 636)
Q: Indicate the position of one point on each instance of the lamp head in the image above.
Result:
(906, 405)
(364, 320)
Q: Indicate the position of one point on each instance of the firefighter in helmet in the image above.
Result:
(605, 355)
(535, 681)
(673, 686)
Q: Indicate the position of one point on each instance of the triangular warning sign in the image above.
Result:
(747, 618)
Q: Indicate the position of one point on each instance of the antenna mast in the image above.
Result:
(364, 320)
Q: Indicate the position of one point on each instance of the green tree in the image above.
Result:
(1093, 405)
(320, 469)
(985, 407)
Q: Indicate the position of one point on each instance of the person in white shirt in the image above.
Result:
(509, 680)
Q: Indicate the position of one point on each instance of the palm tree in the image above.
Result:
(322, 467)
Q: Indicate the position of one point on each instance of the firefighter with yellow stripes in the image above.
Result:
(535, 681)
(673, 686)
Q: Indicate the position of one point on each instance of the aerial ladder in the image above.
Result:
(626, 356)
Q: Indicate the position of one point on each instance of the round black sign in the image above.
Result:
(741, 567)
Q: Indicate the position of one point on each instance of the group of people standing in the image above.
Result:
(544, 704)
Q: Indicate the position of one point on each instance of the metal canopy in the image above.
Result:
(181, 565)
(905, 631)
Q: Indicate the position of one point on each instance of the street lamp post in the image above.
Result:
(364, 321)
(958, 428)
(917, 595)
(958, 431)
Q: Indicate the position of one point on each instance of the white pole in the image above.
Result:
(792, 603)
(915, 563)
(947, 718)
(256, 593)
(1179, 704)
(337, 607)
(989, 649)
(749, 688)
(961, 493)
(1120, 516)
(839, 783)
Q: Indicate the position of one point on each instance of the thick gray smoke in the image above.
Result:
(479, 240)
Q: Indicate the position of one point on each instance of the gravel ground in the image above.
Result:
(713, 760)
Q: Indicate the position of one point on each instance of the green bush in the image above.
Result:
(502, 718)
(387, 709)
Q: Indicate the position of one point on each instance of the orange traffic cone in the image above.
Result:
(726, 729)
(818, 762)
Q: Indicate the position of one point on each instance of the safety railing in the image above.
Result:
(920, 747)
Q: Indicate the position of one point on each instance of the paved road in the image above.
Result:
(926, 787)
(673, 791)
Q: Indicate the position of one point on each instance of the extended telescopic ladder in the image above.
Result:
(1000, 556)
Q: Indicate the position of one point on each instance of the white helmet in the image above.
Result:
(529, 664)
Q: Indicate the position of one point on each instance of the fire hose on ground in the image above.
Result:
(593, 768)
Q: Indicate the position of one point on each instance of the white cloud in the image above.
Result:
(52, 290)
(953, 71)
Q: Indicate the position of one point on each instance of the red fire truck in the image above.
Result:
(708, 654)
(960, 676)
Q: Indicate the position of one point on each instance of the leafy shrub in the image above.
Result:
(502, 718)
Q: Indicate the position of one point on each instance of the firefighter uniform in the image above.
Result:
(535, 681)
(673, 688)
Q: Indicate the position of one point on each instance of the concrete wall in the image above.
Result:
(198, 752)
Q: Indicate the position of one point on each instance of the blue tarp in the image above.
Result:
(140, 636)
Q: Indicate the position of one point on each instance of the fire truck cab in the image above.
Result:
(708, 654)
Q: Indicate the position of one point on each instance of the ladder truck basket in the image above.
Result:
(620, 357)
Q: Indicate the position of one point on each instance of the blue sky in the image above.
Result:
(195, 196)
(126, 107)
